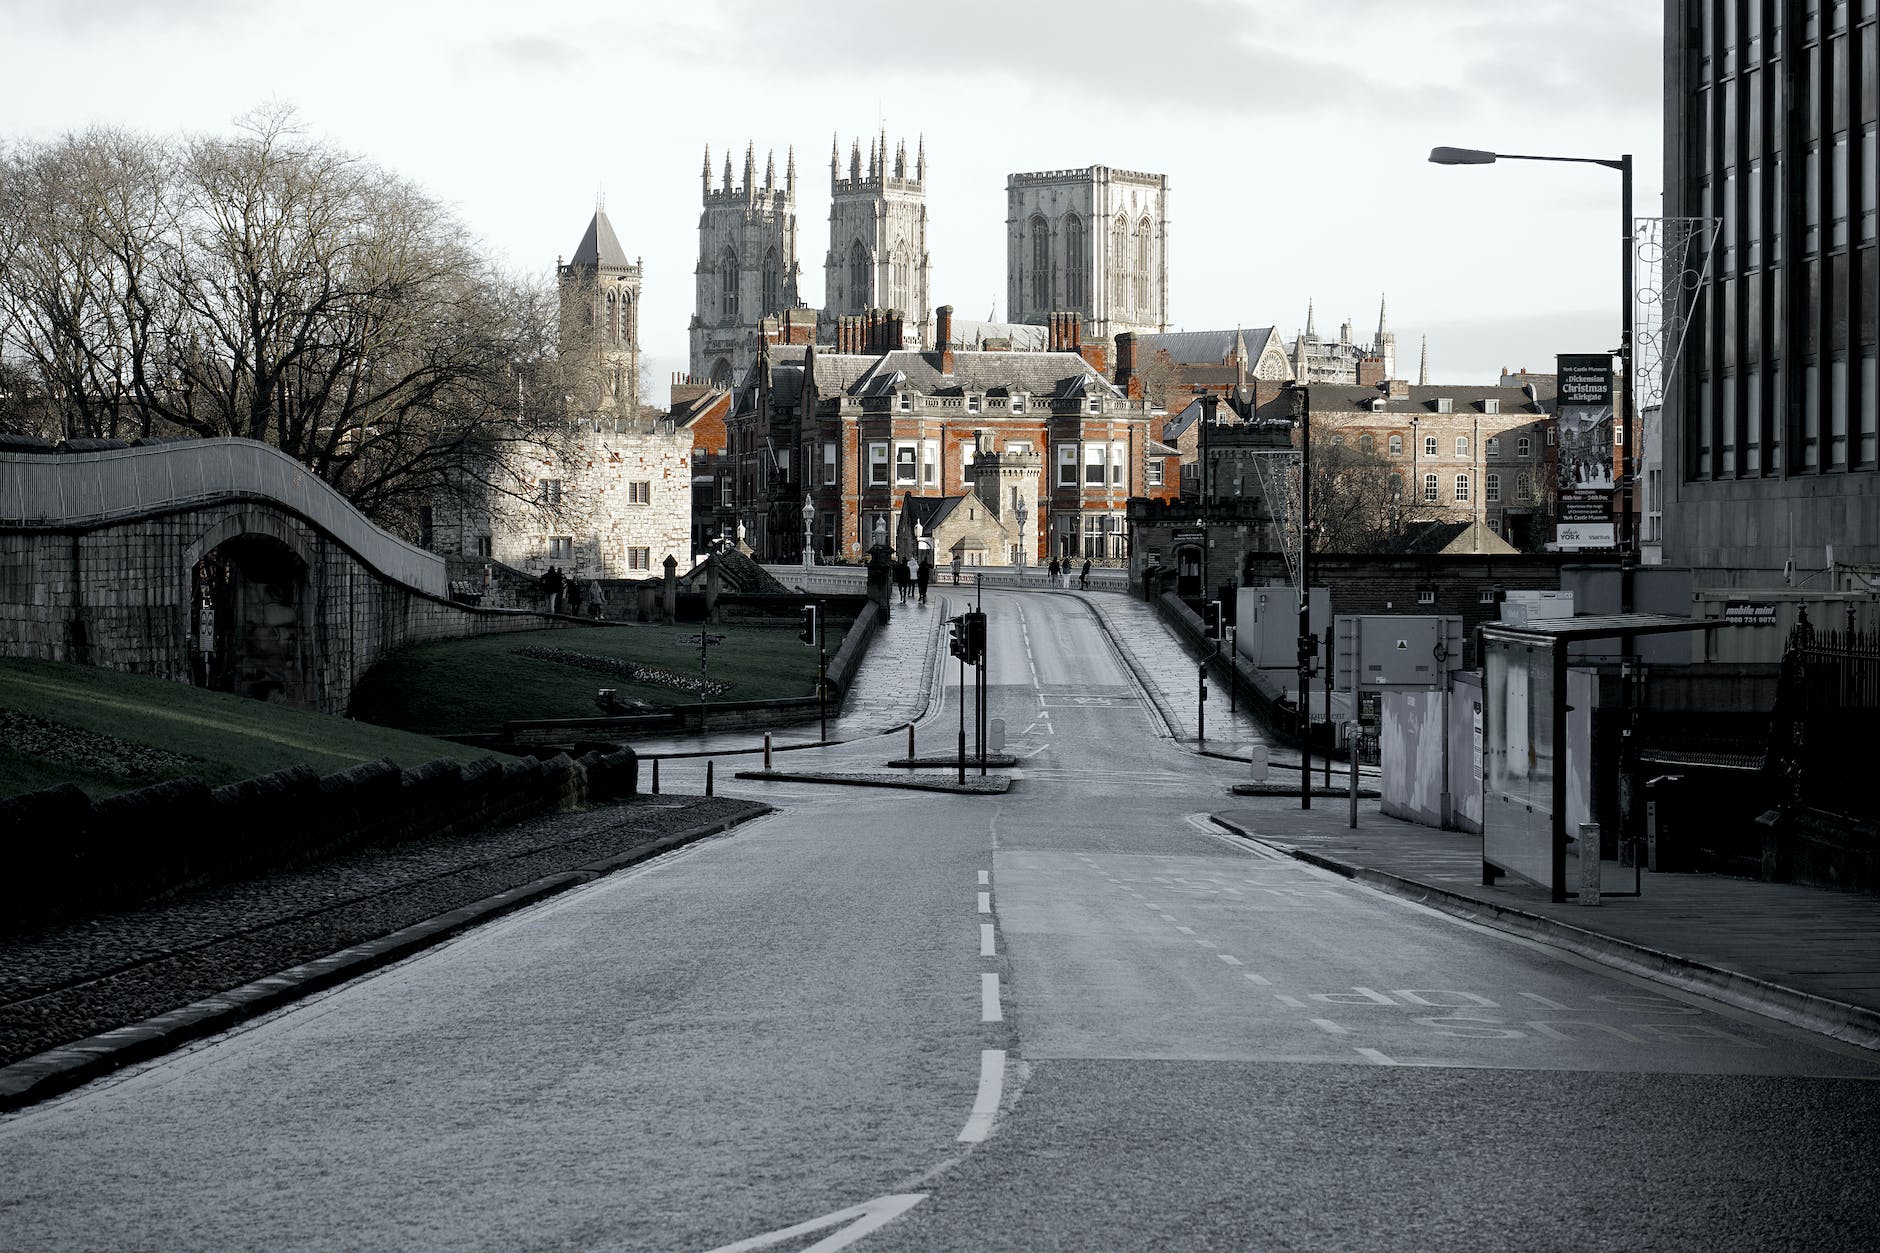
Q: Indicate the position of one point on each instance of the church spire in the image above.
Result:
(706, 173)
(1382, 328)
(1312, 329)
(1423, 370)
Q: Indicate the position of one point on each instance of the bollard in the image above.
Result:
(1351, 746)
(1258, 758)
(708, 776)
(910, 741)
(655, 776)
(1589, 863)
(766, 750)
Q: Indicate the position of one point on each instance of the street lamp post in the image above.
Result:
(1623, 164)
(1019, 512)
(809, 518)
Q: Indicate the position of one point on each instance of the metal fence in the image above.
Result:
(1827, 721)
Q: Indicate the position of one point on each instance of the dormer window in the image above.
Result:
(1445, 405)
(1018, 402)
(972, 404)
(1491, 405)
(906, 402)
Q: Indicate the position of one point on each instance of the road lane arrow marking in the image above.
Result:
(861, 1219)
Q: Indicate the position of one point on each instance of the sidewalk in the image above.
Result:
(1806, 955)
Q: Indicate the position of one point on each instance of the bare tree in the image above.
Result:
(269, 286)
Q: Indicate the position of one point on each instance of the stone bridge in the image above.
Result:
(218, 562)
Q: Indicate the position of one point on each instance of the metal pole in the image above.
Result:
(822, 668)
(1627, 533)
(1351, 737)
(1233, 673)
(962, 755)
(1303, 399)
(980, 705)
(1326, 669)
(1201, 707)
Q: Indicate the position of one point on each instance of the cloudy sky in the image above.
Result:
(1294, 136)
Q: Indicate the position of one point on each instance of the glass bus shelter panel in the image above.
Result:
(1518, 761)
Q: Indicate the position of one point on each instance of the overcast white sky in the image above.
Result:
(1295, 135)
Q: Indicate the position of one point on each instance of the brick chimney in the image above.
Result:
(1096, 355)
(1054, 332)
(1370, 371)
(889, 332)
(943, 336)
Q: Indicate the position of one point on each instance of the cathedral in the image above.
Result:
(747, 265)
(1316, 360)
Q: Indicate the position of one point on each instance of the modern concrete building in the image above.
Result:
(1771, 421)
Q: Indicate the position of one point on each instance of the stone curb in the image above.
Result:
(1292, 789)
(951, 761)
(71, 1065)
(974, 785)
(1150, 691)
(1850, 1024)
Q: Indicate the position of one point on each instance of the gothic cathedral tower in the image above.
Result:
(1092, 241)
(600, 318)
(878, 235)
(747, 267)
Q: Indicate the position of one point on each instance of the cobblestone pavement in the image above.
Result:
(69, 982)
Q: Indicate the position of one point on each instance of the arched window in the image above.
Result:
(728, 285)
(721, 372)
(1119, 259)
(629, 319)
(773, 283)
(1396, 445)
(1145, 250)
(613, 317)
(1366, 445)
(1429, 488)
(1076, 288)
(1040, 264)
(1462, 489)
(901, 272)
(858, 276)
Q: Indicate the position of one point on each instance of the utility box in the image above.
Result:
(1522, 606)
(1379, 652)
(1266, 621)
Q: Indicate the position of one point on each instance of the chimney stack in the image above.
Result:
(943, 336)
(1370, 371)
(1126, 366)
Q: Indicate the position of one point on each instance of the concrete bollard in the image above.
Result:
(1259, 755)
(910, 741)
(995, 736)
(766, 750)
(655, 776)
(708, 776)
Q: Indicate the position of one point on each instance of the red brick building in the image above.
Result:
(855, 429)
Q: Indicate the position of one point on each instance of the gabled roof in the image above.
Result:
(1333, 397)
(600, 247)
(1452, 538)
(1191, 347)
(1057, 374)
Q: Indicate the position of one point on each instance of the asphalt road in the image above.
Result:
(1070, 1017)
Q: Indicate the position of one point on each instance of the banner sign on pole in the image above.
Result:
(1583, 451)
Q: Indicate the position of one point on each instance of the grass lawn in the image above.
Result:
(109, 732)
(459, 687)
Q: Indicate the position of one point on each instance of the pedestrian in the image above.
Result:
(1054, 572)
(924, 576)
(903, 578)
(597, 596)
(551, 588)
(1083, 580)
(956, 569)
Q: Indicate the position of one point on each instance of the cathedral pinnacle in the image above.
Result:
(1382, 330)
(920, 159)
(727, 182)
(1423, 370)
(770, 170)
(789, 175)
(1312, 329)
(750, 168)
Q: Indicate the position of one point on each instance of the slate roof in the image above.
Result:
(1334, 397)
(929, 511)
(600, 246)
(1190, 347)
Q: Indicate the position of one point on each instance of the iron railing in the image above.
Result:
(1827, 720)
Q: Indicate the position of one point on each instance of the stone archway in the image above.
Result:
(247, 627)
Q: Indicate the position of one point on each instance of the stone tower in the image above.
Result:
(878, 234)
(1092, 241)
(600, 319)
(747, 266)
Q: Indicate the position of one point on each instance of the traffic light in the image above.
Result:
(956, 638)
(808, 633)
(1216, 627)
(976, 637)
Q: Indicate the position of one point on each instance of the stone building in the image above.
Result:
(747, 264)
(878, 234)
(1092, 242)
(854, 430)
(1179, 364)
(611, 495)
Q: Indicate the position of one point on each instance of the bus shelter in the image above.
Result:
(1532, 713)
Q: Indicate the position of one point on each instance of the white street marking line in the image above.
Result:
(985, 940)
(985, 876)
(986, 1104)
(1230, 959)
(1293, 1001)
(1205, 943)
(1327, 1025)
(1380, 1058)
(1186, 930)
(861, 1219)
(989, 998)
(985, 902)
(1262, 980)
(1534, 996)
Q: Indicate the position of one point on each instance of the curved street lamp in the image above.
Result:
(1623, 164)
